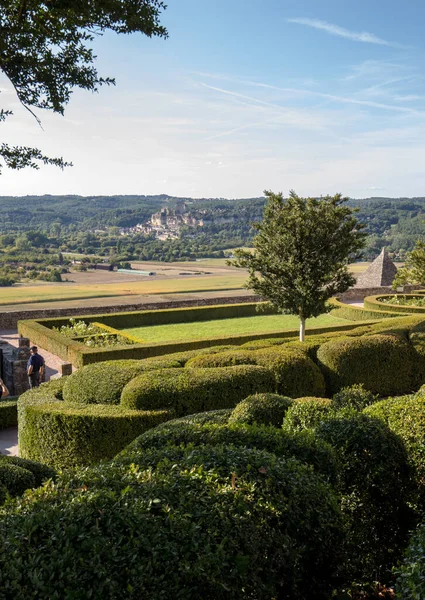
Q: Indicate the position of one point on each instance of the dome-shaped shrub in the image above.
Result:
(195, 390)
(103, 382)
(266, 409)
(223, 523)
(405, 416)
(15, 479)
(354, 396)
(375, 489)
(296, 374)
(306, 413)
(383, 363)
(304, 446)
(222, 359)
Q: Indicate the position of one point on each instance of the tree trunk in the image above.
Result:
(302, 328)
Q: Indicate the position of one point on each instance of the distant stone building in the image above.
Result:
(380, 273)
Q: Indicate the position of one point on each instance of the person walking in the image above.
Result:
(35, 368)
(3, 389)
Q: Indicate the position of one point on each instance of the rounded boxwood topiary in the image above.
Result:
(296, 374)
(40, 472)
(383, 363)
(354, 396)
(215, 522)
(15, 479)
(102, 383)
(405, 416)
(218, 417)
(306, 413)
(222, 359)
(375, 490)
(304, 446)
(266, 409)
(194, 390)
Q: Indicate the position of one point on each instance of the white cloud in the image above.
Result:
(364, 36)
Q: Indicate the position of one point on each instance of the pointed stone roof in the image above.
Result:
(380, 273)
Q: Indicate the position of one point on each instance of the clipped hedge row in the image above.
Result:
(357, 313)
(373, 302)
(19, 474)
(383, 363)
(8, 413)
(188, 391)
(64, 434)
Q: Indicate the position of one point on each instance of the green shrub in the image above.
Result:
(265, 409)
(375, 489)
(383, 363)
(355, 396)
(64, 434)
(223, 523)
(306, 413)
(303, 446)
(405, 416)
(15, 479)
(223, 359)
(40, 472)
(266, 343)
(8, 413)
(102, 383)
(296, 374)
(410, 584)
(218, 417)
(195, 390)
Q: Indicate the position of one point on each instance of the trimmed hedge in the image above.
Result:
(410, 584)
(195, 390)
(373, 302)
(355, 396)
(405, 416)
(263, 409)
(296, 374)
(18, 475)
(383, 363)
(357, 313)
(223, 359)
(303, 446)
(102, 383)
(375, 490)
(8, 413)
(64, 434)
(306, 413)
(191, 531)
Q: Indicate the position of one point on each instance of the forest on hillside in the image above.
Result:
(36, 230)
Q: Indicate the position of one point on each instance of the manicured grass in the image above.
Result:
(228, 327)
(24, 294)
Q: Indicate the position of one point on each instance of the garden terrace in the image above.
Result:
(41, 331)
(96, 411)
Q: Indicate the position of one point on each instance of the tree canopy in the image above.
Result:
(413, 271)
(301, 253)
(45, 53)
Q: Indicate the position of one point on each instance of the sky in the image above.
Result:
(319, 97)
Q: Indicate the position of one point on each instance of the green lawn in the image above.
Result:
(228, 327)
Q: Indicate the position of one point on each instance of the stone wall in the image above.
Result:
(9, 320)
(359, 294)
(14, 366)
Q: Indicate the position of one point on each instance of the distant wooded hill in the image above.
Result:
(394, 222)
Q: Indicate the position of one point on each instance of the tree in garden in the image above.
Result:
(413, 271)
(45, 53)
(301, 253)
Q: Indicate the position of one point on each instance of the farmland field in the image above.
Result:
(228, 327)
(205, 275)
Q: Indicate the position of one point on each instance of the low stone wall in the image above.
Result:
(9, 320)
(358, 294)
(14, 366)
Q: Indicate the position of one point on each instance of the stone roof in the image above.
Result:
(380, 273)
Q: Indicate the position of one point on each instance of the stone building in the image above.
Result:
(379, 274)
